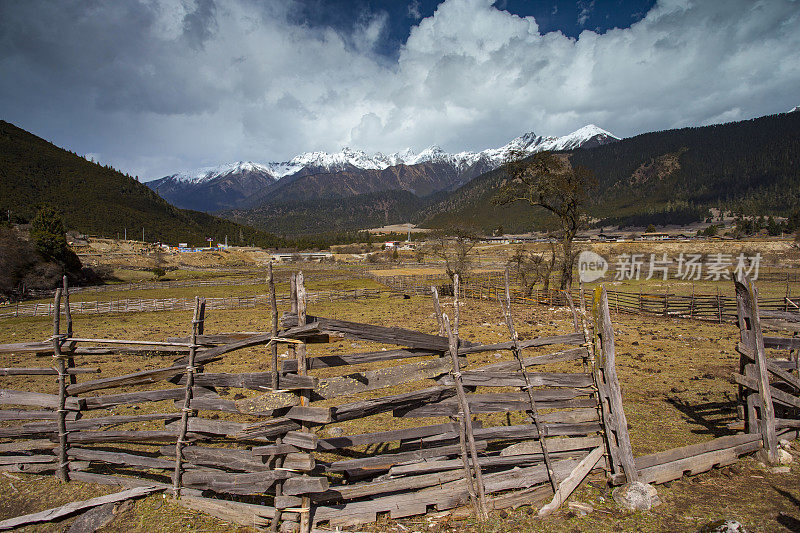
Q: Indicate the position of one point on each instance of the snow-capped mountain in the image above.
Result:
(795, 109)
(220, 187)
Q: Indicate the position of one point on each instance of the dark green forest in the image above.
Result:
(333, 214)
(99, 200)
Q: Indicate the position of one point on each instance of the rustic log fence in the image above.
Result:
(144, 305)
(710, 307)
(476, 441)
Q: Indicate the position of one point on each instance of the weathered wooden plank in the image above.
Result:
(269, 428)
(24, 459)
(305, 485)
(327, 361)
(573, 354)
(335, 443)
(85, 423)
(274, 449)
(747, 310)
(570, 338)
(364, 408)
(252, 380)
(111, 400)
(486, 404)
(676, 454)
(380, 378)
(443, 496)
(571, 482)
(777, 395)
(773, 368)
(784, 343)
(365, 332)
(18, 414)
(87, 437)
(525, 431)
(210, 427)
(45, 371)
(267, 402)
(608, 375)
(135, 378)
(27, 446)
(210, 403)
(34, 399)
(694, 464)
(244, 514)
(553, 445)
(119, 458)
(300, 439)
(385, 461)
(480, 378)
(493, 461)
(233, 483)
(226, 458)
(383, 486)
(299, 461)
(73, 507)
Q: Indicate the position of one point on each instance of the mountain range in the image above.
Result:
(316, 175)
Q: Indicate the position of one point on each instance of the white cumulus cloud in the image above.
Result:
(155, 86)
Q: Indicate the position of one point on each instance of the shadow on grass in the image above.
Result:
(789, 522)
(714, 417)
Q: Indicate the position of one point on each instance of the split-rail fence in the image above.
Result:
(512, 432)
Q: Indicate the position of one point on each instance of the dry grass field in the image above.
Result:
(675, 377)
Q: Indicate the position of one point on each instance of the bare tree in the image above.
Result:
(531, 267)
(549, 181)
(454, 247)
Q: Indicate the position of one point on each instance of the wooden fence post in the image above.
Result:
(467, 417)
(187, 410)
(462, 428)
(63, 464)
(610, 393)
(305, 394)
(752, 337)
(534, 412)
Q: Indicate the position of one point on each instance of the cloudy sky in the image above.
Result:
(157, 86)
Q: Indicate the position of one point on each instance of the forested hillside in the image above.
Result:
(668, 177)
(99, 200)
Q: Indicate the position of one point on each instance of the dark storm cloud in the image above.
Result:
(153, 86)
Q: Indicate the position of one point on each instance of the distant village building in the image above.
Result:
(655, 236)
(301, 256)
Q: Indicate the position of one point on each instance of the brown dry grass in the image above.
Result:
(671, 371)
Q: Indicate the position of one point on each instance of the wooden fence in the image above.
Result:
(141, 305)
(492, 449)
(714, 307)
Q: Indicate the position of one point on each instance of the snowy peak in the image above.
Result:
(205, 174)
(795, 109)
(349, 159)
